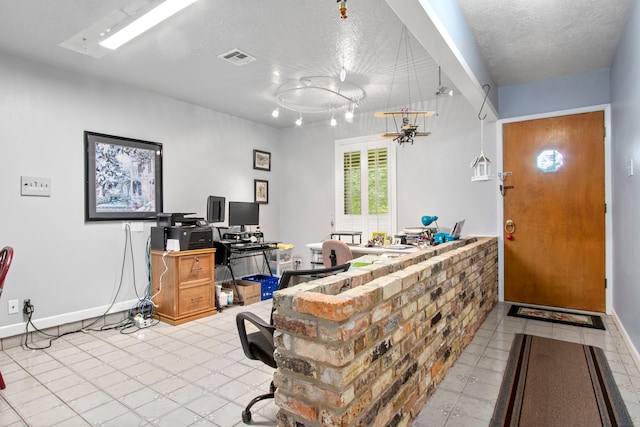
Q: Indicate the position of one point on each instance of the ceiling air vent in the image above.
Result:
(237, 57)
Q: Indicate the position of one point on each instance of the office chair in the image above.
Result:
(335, 252)
(259, 345)
(6, 255)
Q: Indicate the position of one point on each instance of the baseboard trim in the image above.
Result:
(632, 349)
(62, 319)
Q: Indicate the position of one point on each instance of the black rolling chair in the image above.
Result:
(259, 345)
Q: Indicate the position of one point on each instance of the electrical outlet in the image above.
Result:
(135, 227)
(34, 186)
(13, 306)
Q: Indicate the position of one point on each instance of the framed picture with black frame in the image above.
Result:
(261, 191)
(261, 160)
(123, 178)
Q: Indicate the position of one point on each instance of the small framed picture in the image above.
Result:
(261, 191)
(261, 160)
(378, 238)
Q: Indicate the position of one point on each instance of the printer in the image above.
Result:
(188, 237)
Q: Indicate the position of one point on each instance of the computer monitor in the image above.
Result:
(244, 213)
(215, 209)
(456, 231)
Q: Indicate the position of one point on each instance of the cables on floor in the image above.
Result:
(144, 307)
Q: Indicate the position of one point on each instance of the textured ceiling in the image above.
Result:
(521, 41)
(529, 40)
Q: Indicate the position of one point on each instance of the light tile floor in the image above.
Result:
(195, 374)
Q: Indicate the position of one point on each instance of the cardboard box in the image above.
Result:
(250, 292)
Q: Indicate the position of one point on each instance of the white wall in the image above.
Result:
(68, 268)
(625, 106)
(557, 94)
(434, 177)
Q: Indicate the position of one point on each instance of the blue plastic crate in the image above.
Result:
(268, 284)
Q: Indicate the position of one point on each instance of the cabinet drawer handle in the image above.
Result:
(196, 269)
(196, 298)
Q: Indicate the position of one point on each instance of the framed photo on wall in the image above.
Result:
(261, 191)
(261, 160)
(123, 178)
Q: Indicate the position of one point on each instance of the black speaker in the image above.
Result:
(159, 237)
(215, 209)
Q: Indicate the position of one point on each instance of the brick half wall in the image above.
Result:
(368, 347)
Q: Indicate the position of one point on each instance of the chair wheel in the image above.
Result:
(246, 417)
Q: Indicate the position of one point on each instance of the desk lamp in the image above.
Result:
(426, 220)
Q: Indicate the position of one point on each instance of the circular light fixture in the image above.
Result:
(275, 113)
(318, 94)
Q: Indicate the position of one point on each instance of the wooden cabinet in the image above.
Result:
(183, 284)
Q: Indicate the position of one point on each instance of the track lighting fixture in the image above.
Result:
(442, 90)
(343, 74)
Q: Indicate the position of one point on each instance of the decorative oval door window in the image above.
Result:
(550, 161)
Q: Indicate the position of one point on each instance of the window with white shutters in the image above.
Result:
(365, 186)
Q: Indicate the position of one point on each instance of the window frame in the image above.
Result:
(346, 222)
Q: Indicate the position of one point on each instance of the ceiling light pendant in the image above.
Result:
(333, 121)
(348, 116)
(481, 165)
(442, 90)
(343, 74)
(275, 113)
(145, 22)
(299, 120)
(343, 8)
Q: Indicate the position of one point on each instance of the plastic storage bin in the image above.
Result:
(268, 284)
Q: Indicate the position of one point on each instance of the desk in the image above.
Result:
(230, 250)
(357, 250)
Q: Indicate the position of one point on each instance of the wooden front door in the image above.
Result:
(556, 209)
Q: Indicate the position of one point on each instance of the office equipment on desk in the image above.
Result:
(173, 219)
(455, 234)
(215, 209)
(188, 237)
(243, 214)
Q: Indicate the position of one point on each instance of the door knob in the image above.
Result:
(509, 228)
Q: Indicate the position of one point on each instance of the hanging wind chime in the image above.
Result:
(481, 165)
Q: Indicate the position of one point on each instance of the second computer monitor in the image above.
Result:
(244, 213)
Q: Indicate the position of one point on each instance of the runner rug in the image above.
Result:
(558, 383)
(566, 318)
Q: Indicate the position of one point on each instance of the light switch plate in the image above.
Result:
(35, 186)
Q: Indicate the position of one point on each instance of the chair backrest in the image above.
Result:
(6, 255)
(335, 252)
(293, 277)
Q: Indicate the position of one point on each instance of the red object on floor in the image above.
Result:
(6, 255)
